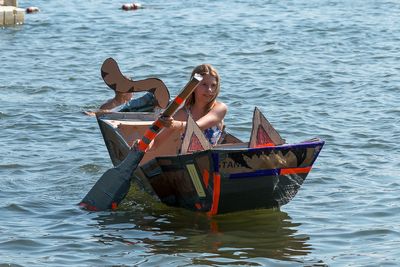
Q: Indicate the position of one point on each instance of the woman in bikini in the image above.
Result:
(202, 105)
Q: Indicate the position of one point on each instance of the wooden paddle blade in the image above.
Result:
(113, 185)
(107, 193)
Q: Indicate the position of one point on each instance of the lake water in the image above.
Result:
(325, 68)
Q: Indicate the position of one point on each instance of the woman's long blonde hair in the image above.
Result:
(204, 69)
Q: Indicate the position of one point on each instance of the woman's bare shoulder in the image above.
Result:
(220, 106)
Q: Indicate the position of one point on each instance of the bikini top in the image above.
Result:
(213, 134)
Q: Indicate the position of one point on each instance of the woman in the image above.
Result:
(202, 106)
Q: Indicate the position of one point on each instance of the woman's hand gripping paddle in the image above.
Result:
(114, 184)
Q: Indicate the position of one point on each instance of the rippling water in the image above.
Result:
(326, 68)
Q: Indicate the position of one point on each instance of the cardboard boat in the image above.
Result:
(265, 172)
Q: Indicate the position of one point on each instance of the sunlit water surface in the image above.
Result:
(326, 68)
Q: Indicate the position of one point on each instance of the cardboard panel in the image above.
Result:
(263, 133)
(169, 146)
(133, 131)
(194, 139)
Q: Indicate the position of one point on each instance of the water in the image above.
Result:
(326, 68)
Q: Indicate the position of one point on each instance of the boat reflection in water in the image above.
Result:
(250, 237)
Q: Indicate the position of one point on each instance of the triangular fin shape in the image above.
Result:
(262, 137)
(194, 139)
(263, 134)
(195, 144)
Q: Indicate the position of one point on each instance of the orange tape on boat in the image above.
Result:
(206, 177)
(269, 172)
(216, 193)
(295, 170)
(198, 206)
(264, 145)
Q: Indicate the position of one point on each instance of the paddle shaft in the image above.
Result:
(157, 126)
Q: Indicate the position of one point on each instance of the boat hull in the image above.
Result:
(232, 176)
(228, 179)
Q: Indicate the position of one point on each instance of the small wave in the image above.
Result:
(11, 166)
(90, 168)
(20, 244)
(375, 232)
(16, 208)
(10, 264)
(4, 115)
(43, 90)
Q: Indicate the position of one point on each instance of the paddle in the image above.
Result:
(114, 184)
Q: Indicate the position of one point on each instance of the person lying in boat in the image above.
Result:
(204, 108)
(118, 100)
(125, 102)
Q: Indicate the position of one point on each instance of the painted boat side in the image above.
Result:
(226, 178)
(219, 180)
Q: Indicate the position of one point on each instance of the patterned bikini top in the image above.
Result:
(213, 134)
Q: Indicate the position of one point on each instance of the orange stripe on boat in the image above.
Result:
(216, 192)
(206, 177)
(264, 145)
(295, 170)
(87, 206)
(178, 100)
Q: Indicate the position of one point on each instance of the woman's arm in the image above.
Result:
(171, 124)
(214, 117)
